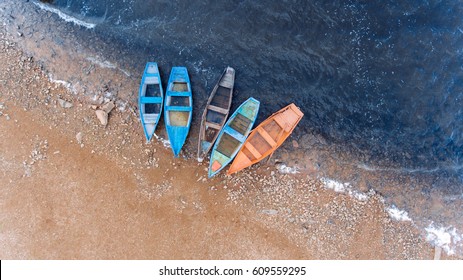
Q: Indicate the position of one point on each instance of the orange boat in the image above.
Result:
(267, 137)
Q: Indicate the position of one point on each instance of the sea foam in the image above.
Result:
(64, 16)
(447, 238)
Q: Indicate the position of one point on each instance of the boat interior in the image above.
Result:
(152, 90)
(240, 123)
(228, 145)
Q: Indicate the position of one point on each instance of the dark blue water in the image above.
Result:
(382, 78)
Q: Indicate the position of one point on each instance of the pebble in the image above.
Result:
(79, 137)
(295, 144)
(65, 104)
(108, 107)
(270, 211)
(102, 116)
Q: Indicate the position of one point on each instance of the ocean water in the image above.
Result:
(382, 80)
(383, 77)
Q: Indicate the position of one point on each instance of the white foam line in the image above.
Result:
(409, 170)
(127, 73)
(284, 169)
(343, 188)
(446, 238)
(64, 16)
(106, 64)
(102, 64)
(397, 214)
(67, 85)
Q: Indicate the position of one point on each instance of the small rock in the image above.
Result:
(108, 107)
(94, 107)
(100, 100)
(270, 212)
(295, 144)
(437, 253)
(79, 137)
(65, 104)
(102, 116)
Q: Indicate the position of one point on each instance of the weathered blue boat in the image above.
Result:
(178, 108)
(233, 135)
(150, 99)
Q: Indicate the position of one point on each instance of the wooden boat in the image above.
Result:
(216, 112)
(233, 135)
(267, 137)
(178, 108)
(150, 99)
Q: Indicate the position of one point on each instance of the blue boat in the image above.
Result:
(178, 108)
(150, 99)
(233, 135)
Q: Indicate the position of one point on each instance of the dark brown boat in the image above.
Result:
(216, 112)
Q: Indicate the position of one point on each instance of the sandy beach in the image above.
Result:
(72, 188)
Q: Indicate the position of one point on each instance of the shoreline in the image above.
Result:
(306, 214)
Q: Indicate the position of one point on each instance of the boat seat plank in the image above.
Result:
(213, 125)
(282, 123)
(267, 137)
(228, 83)
(179, 93)
(217, 109)
(150, 118)
(235, 134)
(241, 124)
(253, 150)
(178, 108)
(145, 99)
(152, 79)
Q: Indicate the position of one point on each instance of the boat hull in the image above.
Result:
(216, 112)
(150, 99)
(233, 135)
(178, 108)
(267, 137)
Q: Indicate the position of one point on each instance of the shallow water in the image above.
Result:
(381, 82)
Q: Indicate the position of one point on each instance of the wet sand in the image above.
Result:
(72, 188)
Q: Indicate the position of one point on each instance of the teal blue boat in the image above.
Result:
(150, 99)
(178, 108)
(233, 135)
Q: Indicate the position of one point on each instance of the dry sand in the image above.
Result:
(71, 188)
